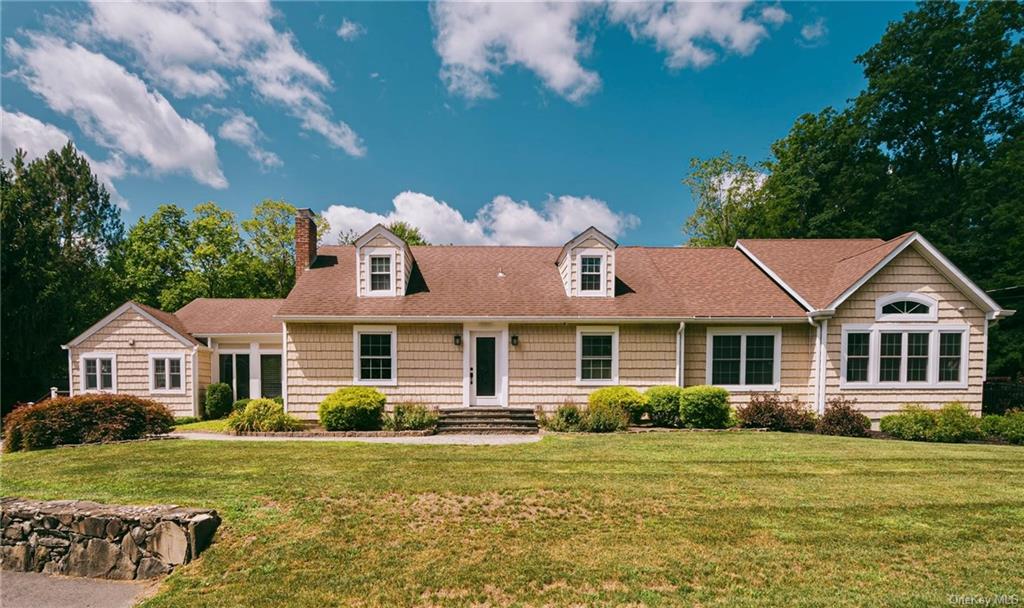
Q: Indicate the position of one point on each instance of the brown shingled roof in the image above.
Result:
(169, 320)
(463, 281)
(210, 316)
(820, 270)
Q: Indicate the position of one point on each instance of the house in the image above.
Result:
(882, 322)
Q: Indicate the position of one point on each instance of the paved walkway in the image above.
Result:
(32, 590)
(427, 440)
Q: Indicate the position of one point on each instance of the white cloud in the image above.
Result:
(116, 108)
(813, 34)
(691, 33)
(36, 138)
(350, 30)
(195, 49)
(774, 15)
(503, 221)
(478, 40)
(242, 129)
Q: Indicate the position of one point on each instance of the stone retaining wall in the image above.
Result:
(81, 538)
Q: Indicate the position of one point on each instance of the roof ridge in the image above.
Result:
(870, 249)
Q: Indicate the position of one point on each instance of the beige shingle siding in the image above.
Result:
(796, 365)
(909, 272)
(402, 271)
(133, 361)
(542, 369)
(319, 360)
(205, 361)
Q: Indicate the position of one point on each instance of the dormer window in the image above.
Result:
(380, 273)
(590, 273)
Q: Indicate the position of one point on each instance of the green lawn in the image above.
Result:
(653, 519)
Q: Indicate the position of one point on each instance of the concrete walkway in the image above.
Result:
(427, 440)
(32, 590)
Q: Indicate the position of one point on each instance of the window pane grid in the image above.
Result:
(890, 364)
(917, 357)
(590, 273)
(167, 373)
(905, 307)
(949, 357)
(760, 359)
(858, 349)
(375, 356)
(380, 273)
(725, 359)
(596, 357)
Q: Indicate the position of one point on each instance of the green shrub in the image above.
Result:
(841, 417)
(410, 417)
(605, 417)
(239, 405)
(89, 418)
(956, 424)
(626, 398)
(769, 411)
(218, 401)
(953, 423)
(663, 405)
(263, 416)
(704, 407)
(353, 408)
(1009, 427)
(568, 418)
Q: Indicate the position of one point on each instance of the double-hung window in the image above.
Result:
(374, 355)
(166, 373)
(590, 273)
(744, 359)
(597, 355)
(887, 355)
(380, 273)
(98, 371)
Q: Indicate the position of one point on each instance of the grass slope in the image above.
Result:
(210, 426)
(657, 519)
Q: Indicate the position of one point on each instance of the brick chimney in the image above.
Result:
(305, 241)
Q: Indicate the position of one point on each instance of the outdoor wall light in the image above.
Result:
(515, 340)
(457, 339)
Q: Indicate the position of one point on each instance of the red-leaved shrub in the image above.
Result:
(841, 417)
(768, 411)
(90, 418)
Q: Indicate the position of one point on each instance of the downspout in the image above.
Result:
(284, 365)
(819, 319)
(196, 381)
(680, 344)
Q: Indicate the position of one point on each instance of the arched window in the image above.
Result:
(906, 307)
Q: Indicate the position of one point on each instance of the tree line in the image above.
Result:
(933, 143)
(67, 259)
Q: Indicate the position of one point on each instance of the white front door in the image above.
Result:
(484, 376)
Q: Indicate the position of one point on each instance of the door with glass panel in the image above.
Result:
(483, 368)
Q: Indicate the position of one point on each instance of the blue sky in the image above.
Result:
(482, 124)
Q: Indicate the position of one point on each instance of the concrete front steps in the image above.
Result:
(487, 421)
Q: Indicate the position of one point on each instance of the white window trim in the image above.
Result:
(931, 303)
(167, 374)
(113, 371)
(934, 329)
(601, 330)
(358, 330)
(592, 253)
(744, 332)
(379, 252)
